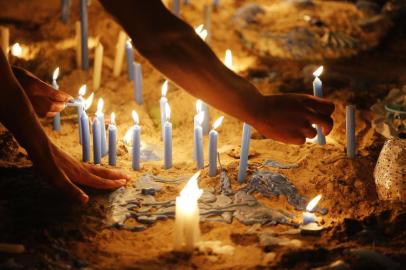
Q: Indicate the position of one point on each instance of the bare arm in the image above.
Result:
(173, 47)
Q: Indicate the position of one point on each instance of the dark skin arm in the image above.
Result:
(58, 168)
(177, 51)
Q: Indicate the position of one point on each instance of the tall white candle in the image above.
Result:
(350, 131)
(100, 117)
(96, 141)
(112, 140)
(196, 120)
(245, 146)
(137, 83)
(56, 120)
(98, 63)
(213, 147)
(84, 120)
(206, 120)
(187, 217)
(5, 40)
(167, 138)
(198, 139)
(83, 34)
(318, 92)
(120, 48)
(78, 44)
(162, 105)
(80, 108)
(129, 56)
(136, 149)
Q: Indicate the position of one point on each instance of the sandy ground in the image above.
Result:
(59, 236)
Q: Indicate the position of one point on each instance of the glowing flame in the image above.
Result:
(135, 117)
(218, 122)
(199, 106)
(312, 204)
(318, 71)
(167, 112)
(129, 44)
(201, 32)
(164, 88)
(228, 59)
(100, 105)
(55, 75)
(16, 50)
(128, 136)
(89, 101)
(113, 118)
(191, 189)
(82, 90)
(200, 118)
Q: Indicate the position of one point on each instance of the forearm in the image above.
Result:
(173, 48)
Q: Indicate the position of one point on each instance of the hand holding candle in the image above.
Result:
(213, 147)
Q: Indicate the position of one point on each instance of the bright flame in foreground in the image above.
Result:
(191, 188)
(100, 105)
(55, 75)
(82, 90)
(198, 106)
(113, 118)
(89, 101)
(228, 59)
(312, 204)
(164, 88)
(201, 32)
(318, 71)
(167, 112)
(16, 50)
(218, 122)
(135, 117)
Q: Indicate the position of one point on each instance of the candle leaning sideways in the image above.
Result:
(120, 48)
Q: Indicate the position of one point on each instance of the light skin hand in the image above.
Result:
(45, 100)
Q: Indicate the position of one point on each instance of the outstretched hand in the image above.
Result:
(45, 100)
(289, 118)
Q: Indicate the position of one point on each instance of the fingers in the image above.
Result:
(319, 104)
(56, 106)
(309, 131)
(94, 181)
(324, 121)
(106, 173)
(60, 96)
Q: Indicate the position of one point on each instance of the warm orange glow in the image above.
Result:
(312, 204)
(218, 122)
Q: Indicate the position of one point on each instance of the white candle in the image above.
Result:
(162, 105)
(187, 218)
(318, 92)
(5, 40)
(198, 142)
(196, 122)
(136, 149)
(245, 147)
(98, 63)
(120, 49)
(100, 117)
(309, 217)
(350, 131)
(83, 34)
(96, 141)
(129, 56)
(137, 83)
(112, 140)
(80, 108)
(167, 139)
(213, 147)
(78, 44)
(206, 120)
(56, 120)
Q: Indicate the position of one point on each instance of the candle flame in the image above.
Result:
(100, 105)
(135, 117)
(129, 44)
(200, 118)
(218, 122)
(128, 136)
(16, 50)
(55, 75)
(201, 32)
(89, 101)
(199, 106)
(312, 204)
(164, 88)
(318, 71)
(228, 59)
(82, 90)
(191, 188)
(167, 112)
(113, 118)
(199, 28)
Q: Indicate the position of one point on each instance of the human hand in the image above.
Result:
(289, 117)
(46, 101)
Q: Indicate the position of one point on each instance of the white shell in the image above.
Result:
(390, 171)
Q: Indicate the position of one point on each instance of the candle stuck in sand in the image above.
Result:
(213, 137)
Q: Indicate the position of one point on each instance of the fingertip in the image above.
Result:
(84, 199)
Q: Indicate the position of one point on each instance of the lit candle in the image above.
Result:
(100, 117)
(80, 104)
(137, 82)
(84, 120)
(308, 216)
(56, 121)
(207, 10)
(130, 59)
(112, 140)
(213, 147)
(162, 105)
(167, 138)
(5, 40)
(187, 217)
(65, 10)
(206, 120)
(196, 120)
(245, 147)
(78, 44)
(83, 34)
(16, 50)
(201, 32)
(120, 47)
(318, 92)
(350, 131)
(136, 149)
(198, 139)
(96, 141)
(228, 59)
(98, 64)
(176, 7)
